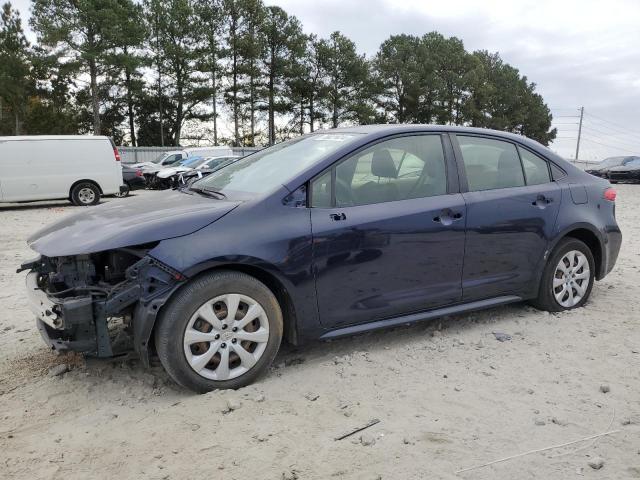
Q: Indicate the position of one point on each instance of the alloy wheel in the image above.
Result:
(571, 279)
(226, 336)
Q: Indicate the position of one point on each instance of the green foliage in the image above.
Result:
(16, 84)
(140, 71)
(347, 77)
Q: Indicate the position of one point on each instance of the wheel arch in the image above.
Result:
(85, 180)
(590, 236)
(267, 274)
(277, 287)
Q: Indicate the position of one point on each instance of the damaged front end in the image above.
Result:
(82, 302)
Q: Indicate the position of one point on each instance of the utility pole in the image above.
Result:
(579, 132)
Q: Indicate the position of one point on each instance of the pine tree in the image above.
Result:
(86, 32)
(15, 80)
(347, 75)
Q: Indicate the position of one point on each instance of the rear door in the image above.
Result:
(388, 230)
(512, 207)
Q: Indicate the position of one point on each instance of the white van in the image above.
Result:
(80, 168)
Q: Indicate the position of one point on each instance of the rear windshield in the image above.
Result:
(272, 167)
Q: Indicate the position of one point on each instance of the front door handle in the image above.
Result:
(336, 217)
(542, 201)
(447, 217)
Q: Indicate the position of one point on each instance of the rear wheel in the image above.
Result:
(125, 192)
(222, 330)
(85, 194)
(568, 277)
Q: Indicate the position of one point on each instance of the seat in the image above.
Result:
(382, 166)
(509, 171)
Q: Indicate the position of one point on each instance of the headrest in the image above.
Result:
(508, 161)
(382, 165)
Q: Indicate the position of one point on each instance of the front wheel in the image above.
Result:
(221, 330)
(568, 277)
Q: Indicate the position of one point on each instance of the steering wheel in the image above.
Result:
(344, 192)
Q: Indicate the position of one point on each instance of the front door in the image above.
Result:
(388, 236)
(512, 206)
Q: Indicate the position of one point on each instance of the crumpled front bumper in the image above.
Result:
(65, 324)
(80, 322)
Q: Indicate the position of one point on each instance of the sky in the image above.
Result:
(580, 53)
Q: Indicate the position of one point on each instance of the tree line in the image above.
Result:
(238, 72)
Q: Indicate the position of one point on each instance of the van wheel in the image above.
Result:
(221, 330)
(568, 277)
(85, 194)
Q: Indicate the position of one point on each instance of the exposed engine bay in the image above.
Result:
(77, 299)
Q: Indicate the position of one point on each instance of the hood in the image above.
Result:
(143, 165)
(128, 222)
(625, 168)
(167, 172)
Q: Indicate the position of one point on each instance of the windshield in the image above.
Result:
(611, 162)
(159, 158)
(190, 162)
(274, 166)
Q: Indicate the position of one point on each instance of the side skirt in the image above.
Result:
(418, 317)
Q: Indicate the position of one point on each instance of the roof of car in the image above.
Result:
(53, 137)
(376, 128)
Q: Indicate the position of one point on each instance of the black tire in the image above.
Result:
(85, 194)
(546, 299)
(126, 191)
(176, 316)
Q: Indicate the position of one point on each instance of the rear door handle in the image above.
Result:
(542, 201)
(336, 217)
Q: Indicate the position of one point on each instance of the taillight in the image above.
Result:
(610, 194)
(138, 173)
(116, 154)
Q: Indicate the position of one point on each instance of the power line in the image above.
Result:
(613, 146)
(609, 129)
(610, 136)
(615, 124)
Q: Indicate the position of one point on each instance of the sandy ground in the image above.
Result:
(448, 395)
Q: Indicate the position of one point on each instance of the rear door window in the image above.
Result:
(490, 164)
(536, 169)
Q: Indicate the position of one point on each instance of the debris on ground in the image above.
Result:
(596, 463)
(502, 337)
(58, 370)
(359, 429)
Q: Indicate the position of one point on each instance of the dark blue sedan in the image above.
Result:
(330, 234)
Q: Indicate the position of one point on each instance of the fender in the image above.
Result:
(580, 226)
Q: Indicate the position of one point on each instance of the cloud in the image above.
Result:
(579, 53)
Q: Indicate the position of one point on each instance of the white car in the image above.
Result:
(174, 156)
(197, 164)
(80, 168)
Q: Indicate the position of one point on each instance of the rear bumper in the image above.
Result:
(136, 182)
(625, 176)
(613, 241)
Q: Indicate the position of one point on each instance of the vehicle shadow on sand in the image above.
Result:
(46, 204)
(127, 368)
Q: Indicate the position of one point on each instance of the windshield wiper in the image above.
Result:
(209, 193)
